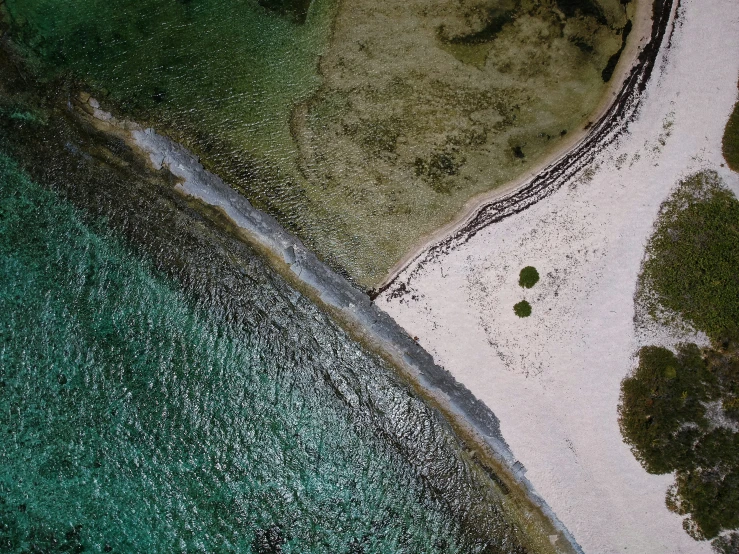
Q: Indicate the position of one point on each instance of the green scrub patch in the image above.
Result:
(679, 411)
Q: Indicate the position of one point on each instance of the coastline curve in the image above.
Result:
(372, 327)
(505, 202)
(471, 420)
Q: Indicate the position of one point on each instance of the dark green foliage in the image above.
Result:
(731, 139)
(522, 309)
(664, 392)
(663, 418)
(528, 277)
(693, 263)
(679, 411)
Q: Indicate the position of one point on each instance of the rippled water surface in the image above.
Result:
(362, 126)
(143, 413)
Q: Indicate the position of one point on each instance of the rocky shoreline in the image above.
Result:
(351, 307)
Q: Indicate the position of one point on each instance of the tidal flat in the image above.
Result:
(361, 126)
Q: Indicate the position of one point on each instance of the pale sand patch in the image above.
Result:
(554, 379)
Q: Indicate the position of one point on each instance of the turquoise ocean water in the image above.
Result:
(138, 414)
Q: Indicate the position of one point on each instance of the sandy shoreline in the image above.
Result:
(554, 378)
(630, 62)
(472, 420)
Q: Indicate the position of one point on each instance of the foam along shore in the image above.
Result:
(619, 103)
(473, 421)
(554, 378)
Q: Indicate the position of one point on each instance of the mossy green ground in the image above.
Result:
(417, 107)
(680, 412)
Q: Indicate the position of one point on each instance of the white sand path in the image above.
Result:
(553, 379)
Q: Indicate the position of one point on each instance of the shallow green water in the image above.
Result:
(135, 416)
(361, 126)
(225, 70)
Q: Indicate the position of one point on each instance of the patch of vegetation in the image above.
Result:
(679, 412)
(692, 265)
(731, 139)
(728, 544)
(528, 277)
(522, 309)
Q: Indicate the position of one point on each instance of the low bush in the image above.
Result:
(679, 412)
(528, 277)
(522, 309)
(664, 417)
(692, 265)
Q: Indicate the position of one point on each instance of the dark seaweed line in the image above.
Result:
(604, 132)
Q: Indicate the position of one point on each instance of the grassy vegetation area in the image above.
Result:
(528, 277)
(679, 412)
(415, 108)
(731, 139)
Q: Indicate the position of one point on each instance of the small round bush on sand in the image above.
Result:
(522, 309)
(528, 277)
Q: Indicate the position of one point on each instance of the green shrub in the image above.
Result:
(693, 257)
(728, 544)
(528, 277)
(692, 269)
(522, 309)
(663, 418)
(731, 139)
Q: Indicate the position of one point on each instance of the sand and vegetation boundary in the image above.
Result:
(679, 411)
(730, 141)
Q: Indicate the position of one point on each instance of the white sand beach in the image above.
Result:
(553, 379)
